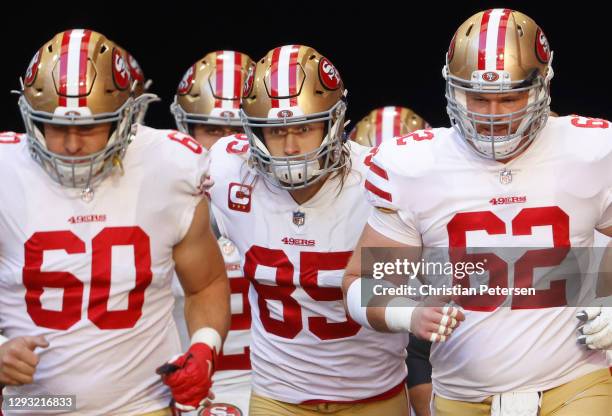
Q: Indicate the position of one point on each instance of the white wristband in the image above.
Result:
(353, 304)
(3, 339)
(398, 314)
(208, 336)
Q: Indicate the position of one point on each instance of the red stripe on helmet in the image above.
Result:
(84, 52)
(397, 121)
(378, 124)
(274, 77)
(501, 38)
(482, 39)
(293, 71)
(63, 65)
(237, 79)
(219, 78)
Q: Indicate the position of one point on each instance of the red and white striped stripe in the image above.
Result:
(388, 124)
(492, 39)
(73, 68)
(377, 191)
(283, 76)
(377, 183)
(228, 79)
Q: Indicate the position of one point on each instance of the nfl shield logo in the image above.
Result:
(505, 176)
(299, 218)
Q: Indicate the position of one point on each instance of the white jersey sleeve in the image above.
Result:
(588, 143)
(395, 167)
(187, 164)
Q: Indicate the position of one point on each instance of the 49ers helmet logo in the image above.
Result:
(490, 76)
(542, 48)
(121, 75)
(328, 74)
(451, 48)
(135, 69)
(221, 409)
(285, 114)
(227, 114)
(30, 75)
(247, 87)
(185, 85)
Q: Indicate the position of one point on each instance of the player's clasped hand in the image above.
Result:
(18, 360)
(435, 321)
(596, 333)
(190, 377)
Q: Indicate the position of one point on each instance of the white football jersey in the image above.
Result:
(554, 194)
(232, 378)
(303, 346)
(94, 278)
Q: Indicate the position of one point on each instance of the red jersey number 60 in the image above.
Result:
(35, 280)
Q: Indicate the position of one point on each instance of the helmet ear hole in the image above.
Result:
(469, 30)
(103, 49)
(520, 31)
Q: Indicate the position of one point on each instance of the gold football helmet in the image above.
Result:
(77, 78)
(385, 123)
(498, 51)
(294, 85)
(210, 91)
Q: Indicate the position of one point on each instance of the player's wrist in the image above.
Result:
(208, 336)
(398, 314)
(354, 302)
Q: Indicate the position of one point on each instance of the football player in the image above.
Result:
(505, 175)
(88, 248)
(206, 106)
(290, 194)
(207, 100)
(379, 125)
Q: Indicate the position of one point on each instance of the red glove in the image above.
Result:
(190, 376)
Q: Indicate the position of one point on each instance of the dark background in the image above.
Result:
(387, 53)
